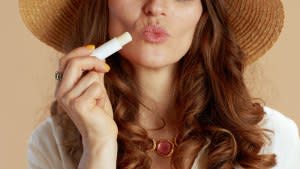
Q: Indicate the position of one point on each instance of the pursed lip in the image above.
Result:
(155, 34)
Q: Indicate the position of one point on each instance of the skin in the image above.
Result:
(84, 97)
(155, 63)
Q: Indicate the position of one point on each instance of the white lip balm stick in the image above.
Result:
(112, 46)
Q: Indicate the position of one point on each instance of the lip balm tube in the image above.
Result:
(112, 46)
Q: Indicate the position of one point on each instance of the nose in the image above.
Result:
(155, 8)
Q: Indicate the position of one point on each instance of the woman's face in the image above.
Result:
(162, 30)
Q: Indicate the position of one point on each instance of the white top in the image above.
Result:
(45, 150)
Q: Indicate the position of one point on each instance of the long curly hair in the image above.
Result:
(212, 101)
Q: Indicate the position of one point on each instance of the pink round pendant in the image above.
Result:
(164, 148)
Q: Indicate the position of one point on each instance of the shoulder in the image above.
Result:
(284, 141)
(46, 134)
(282, 125)
(44, 146)
(45, 128)
(279, 122)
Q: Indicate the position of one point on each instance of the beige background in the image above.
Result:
(27, 79)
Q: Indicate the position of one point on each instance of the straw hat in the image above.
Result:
(256, 23)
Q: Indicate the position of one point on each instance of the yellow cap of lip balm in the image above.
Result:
(112, 46)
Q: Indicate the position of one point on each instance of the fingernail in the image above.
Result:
(106, 67)
(90, 47)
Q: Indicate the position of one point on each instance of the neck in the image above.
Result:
(157, 94)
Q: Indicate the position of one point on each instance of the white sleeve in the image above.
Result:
(42, 151)
(37, 158)
(293, 155)
(285, 141)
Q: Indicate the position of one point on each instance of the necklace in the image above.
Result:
(164, 147)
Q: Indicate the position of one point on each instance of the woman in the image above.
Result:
(172, 98)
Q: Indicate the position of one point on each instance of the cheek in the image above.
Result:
(121, 18)
(187, 20)
(186, 25)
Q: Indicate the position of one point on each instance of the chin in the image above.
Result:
(149, 56)
(148, 62)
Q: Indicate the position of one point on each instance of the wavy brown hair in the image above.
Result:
(214, 107)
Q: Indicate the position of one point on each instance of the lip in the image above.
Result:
(155, 34)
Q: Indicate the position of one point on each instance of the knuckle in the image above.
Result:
(57, 96)
(74, 62)
(94, 75)
(96, 86)
(66, 100)
(95, 60)
(61, 62)
(78, 105)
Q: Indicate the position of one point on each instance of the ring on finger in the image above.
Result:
(58, 75)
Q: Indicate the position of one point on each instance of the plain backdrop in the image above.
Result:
(27, 69)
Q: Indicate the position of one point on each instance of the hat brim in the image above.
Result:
(256, 24)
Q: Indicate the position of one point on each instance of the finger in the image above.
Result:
(75, 69)
(83, 84)
(80, 51)
(90, 97)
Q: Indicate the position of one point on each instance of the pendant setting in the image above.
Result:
(163, 147)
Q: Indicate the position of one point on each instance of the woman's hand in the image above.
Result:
(82, 94)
